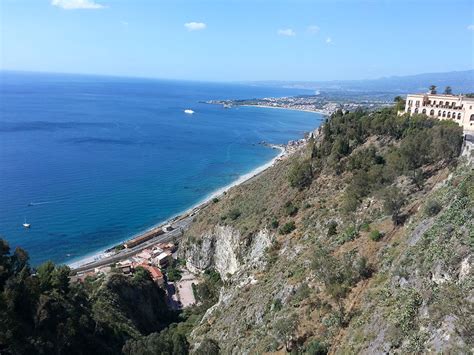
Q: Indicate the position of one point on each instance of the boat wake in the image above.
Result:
(43, 203)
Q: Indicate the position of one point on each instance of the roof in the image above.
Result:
(444, 96)
(154, 271)
(163, 255)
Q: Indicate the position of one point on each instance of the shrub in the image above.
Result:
(277, 305)
(302, 293)
(234, 214)
(376, 235)
(332, 228)
(301, 175)
(208, 347)
(365, 227)
(363, 268)
(349, 234)
(290, 209)
(432, 208)
(316, 347)
(288, 228)
(215, 200)
(274, 223)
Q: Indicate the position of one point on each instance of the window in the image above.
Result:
(472, 118)
(434, 102)
(432, 113)
(424, 111)
(444, 113)
(439, 113)
(441, 103)
(459, 116)
(417, 103)
(449, 114)
(416, 110)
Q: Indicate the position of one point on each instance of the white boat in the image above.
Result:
(189, 112)
(26, 225)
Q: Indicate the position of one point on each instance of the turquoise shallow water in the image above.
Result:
(90, 161)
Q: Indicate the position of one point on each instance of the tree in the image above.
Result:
(433, 89)
(448, 90)
(399, 103)
(208, 347)
(393, 201)
(301, 175)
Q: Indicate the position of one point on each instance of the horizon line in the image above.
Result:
(124, 76)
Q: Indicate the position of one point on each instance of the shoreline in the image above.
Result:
(320, 112)
(105, 253)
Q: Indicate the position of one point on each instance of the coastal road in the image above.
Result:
(179, 227)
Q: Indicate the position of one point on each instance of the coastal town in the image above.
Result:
(323, 103)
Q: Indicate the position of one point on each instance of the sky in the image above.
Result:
(238, 40)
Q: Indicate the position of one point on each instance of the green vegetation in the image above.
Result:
(290, 209)
(316, 347)
(207, 291)
(393, 201)
(332, 228)
(422, 141)
(432, 208)
(288, 228)
(301, 175)
(376, 235)
(42, 312)
(234, 214)
(207, 347)
(274, 223)
(173, 273)
(339, 275)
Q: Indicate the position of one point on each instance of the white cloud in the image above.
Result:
(286, 32)
(313, 29)
(124, 23)
(470, 27)
(76, 4)
(329, 40)
(195, 26)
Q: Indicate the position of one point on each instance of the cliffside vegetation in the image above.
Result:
(42, 312)
(358, 224)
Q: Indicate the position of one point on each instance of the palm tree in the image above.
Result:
(433, 89)
(448, 90)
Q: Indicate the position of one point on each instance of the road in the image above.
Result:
(179, 227)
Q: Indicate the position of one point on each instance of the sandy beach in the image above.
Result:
(101, 255)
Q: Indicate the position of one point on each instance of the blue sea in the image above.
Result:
(90, 161)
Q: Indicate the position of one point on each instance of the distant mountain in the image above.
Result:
(460, 82)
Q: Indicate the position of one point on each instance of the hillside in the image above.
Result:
(352, 245)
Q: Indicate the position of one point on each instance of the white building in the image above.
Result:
(459, 109)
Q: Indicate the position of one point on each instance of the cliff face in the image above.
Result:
(225, 250)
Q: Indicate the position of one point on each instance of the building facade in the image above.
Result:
(459, 109)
